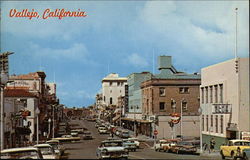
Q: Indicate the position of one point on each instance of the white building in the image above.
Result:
(224, 100)
(113, 87)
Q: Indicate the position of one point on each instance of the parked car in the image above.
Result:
(21, 153)
(170, 143)
(47, 151)
(67, 138)
(112, 149)
(246, 154)
(124, 134)
(74, 133)
(58, 147)
(183, 147)
(129, 144)
(87, 135)
(136, 141)
(102, 130)
(234, 148)
(160, 144)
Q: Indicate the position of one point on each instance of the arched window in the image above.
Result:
(110, 100)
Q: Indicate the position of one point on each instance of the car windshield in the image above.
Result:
(46, 150)
(112, 144)
(20, 155)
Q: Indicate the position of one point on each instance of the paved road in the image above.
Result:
(86, 149)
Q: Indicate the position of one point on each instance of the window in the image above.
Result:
(104, 98)
(110, 100)
(216, 123)
(221, 124)
(162, 105)
(211, 94)
(206, 88)
(216, 93)
(184, 106)
(110, 83)
(118, 83)
(162, 91)
(203, 123)
(221, 93)
(207, 123)
(184, 90)
(202, 95)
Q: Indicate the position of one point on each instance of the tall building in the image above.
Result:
(161, 91)
(224, 94)
(113, 87)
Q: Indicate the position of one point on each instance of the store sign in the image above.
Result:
(175, 118)
(245, 135)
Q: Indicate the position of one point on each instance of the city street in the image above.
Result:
(86, 149)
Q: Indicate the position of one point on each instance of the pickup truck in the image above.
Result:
(234, 148)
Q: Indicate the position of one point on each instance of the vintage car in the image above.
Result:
(58, 147)
(87, 135)
(234, 148)
(124, 134)
(74, 133)
(47, 151)
(183, 147)
(160, 144)
(136, 141)
(129, 144)
(170, 143)
(112, 148)
(246, 154)
(21, 153)
(67, 138)
(102, 130)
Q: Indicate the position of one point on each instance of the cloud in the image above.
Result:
(84, 94)
(76, 51)
(136, 60)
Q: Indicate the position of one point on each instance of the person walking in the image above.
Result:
(212, 144)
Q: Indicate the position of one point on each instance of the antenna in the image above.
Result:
(153, 61)
(235, 50)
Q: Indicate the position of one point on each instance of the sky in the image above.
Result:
(119, 37)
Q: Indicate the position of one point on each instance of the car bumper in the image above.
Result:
(114, 156)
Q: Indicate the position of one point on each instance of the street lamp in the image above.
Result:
(49, 120)
(183, 100)
(200, 112)
(173, 106)
(37, 111)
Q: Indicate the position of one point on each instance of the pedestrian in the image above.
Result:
(212, 144)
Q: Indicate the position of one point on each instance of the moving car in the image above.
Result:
(87, 135)
(58, 147)
(112, 149)
(136, 141)
(102, 130)
(21, 153)
(124, 134)
(170, 143)
(74, 133)
(47, 151)
(129, 144)
(160, 144)
(234, 148)
(184, 147)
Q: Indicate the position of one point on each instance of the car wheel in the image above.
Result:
(232, 156)
(222, 155)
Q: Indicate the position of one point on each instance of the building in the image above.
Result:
(169, 92)
(113, 87)
(224, 93)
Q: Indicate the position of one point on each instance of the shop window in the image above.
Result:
(216, 123)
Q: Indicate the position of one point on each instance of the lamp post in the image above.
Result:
(200, 112)
(181, 114)
(37, 124)
(173, 105)
(49, 120)
(4, 80)
(53, 122)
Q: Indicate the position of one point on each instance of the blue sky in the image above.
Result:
(120, 37)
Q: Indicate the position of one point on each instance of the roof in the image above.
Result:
(34, 75)
(19, 149)
(18, 92)
(42, 145)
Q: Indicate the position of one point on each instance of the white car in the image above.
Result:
(58, 147)
(136, 141)
(112, 149)
(21, 153)
(160, 144)
(47, 151)
(102, 130)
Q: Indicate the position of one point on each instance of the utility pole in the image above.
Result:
(53, 120)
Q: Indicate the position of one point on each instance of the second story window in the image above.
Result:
(162, 106)
(110, 83)
(202, 95)
(211, 94)
(162, 91)
(183, 90)
(216, 93)
(206, 89)
(221, 93)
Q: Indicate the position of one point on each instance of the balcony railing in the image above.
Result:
(222, 108)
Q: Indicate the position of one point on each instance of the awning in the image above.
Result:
(137, 120)
(116, 118)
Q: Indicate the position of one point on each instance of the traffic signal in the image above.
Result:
(236, 66)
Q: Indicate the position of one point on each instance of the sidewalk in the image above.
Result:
(215, 154)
